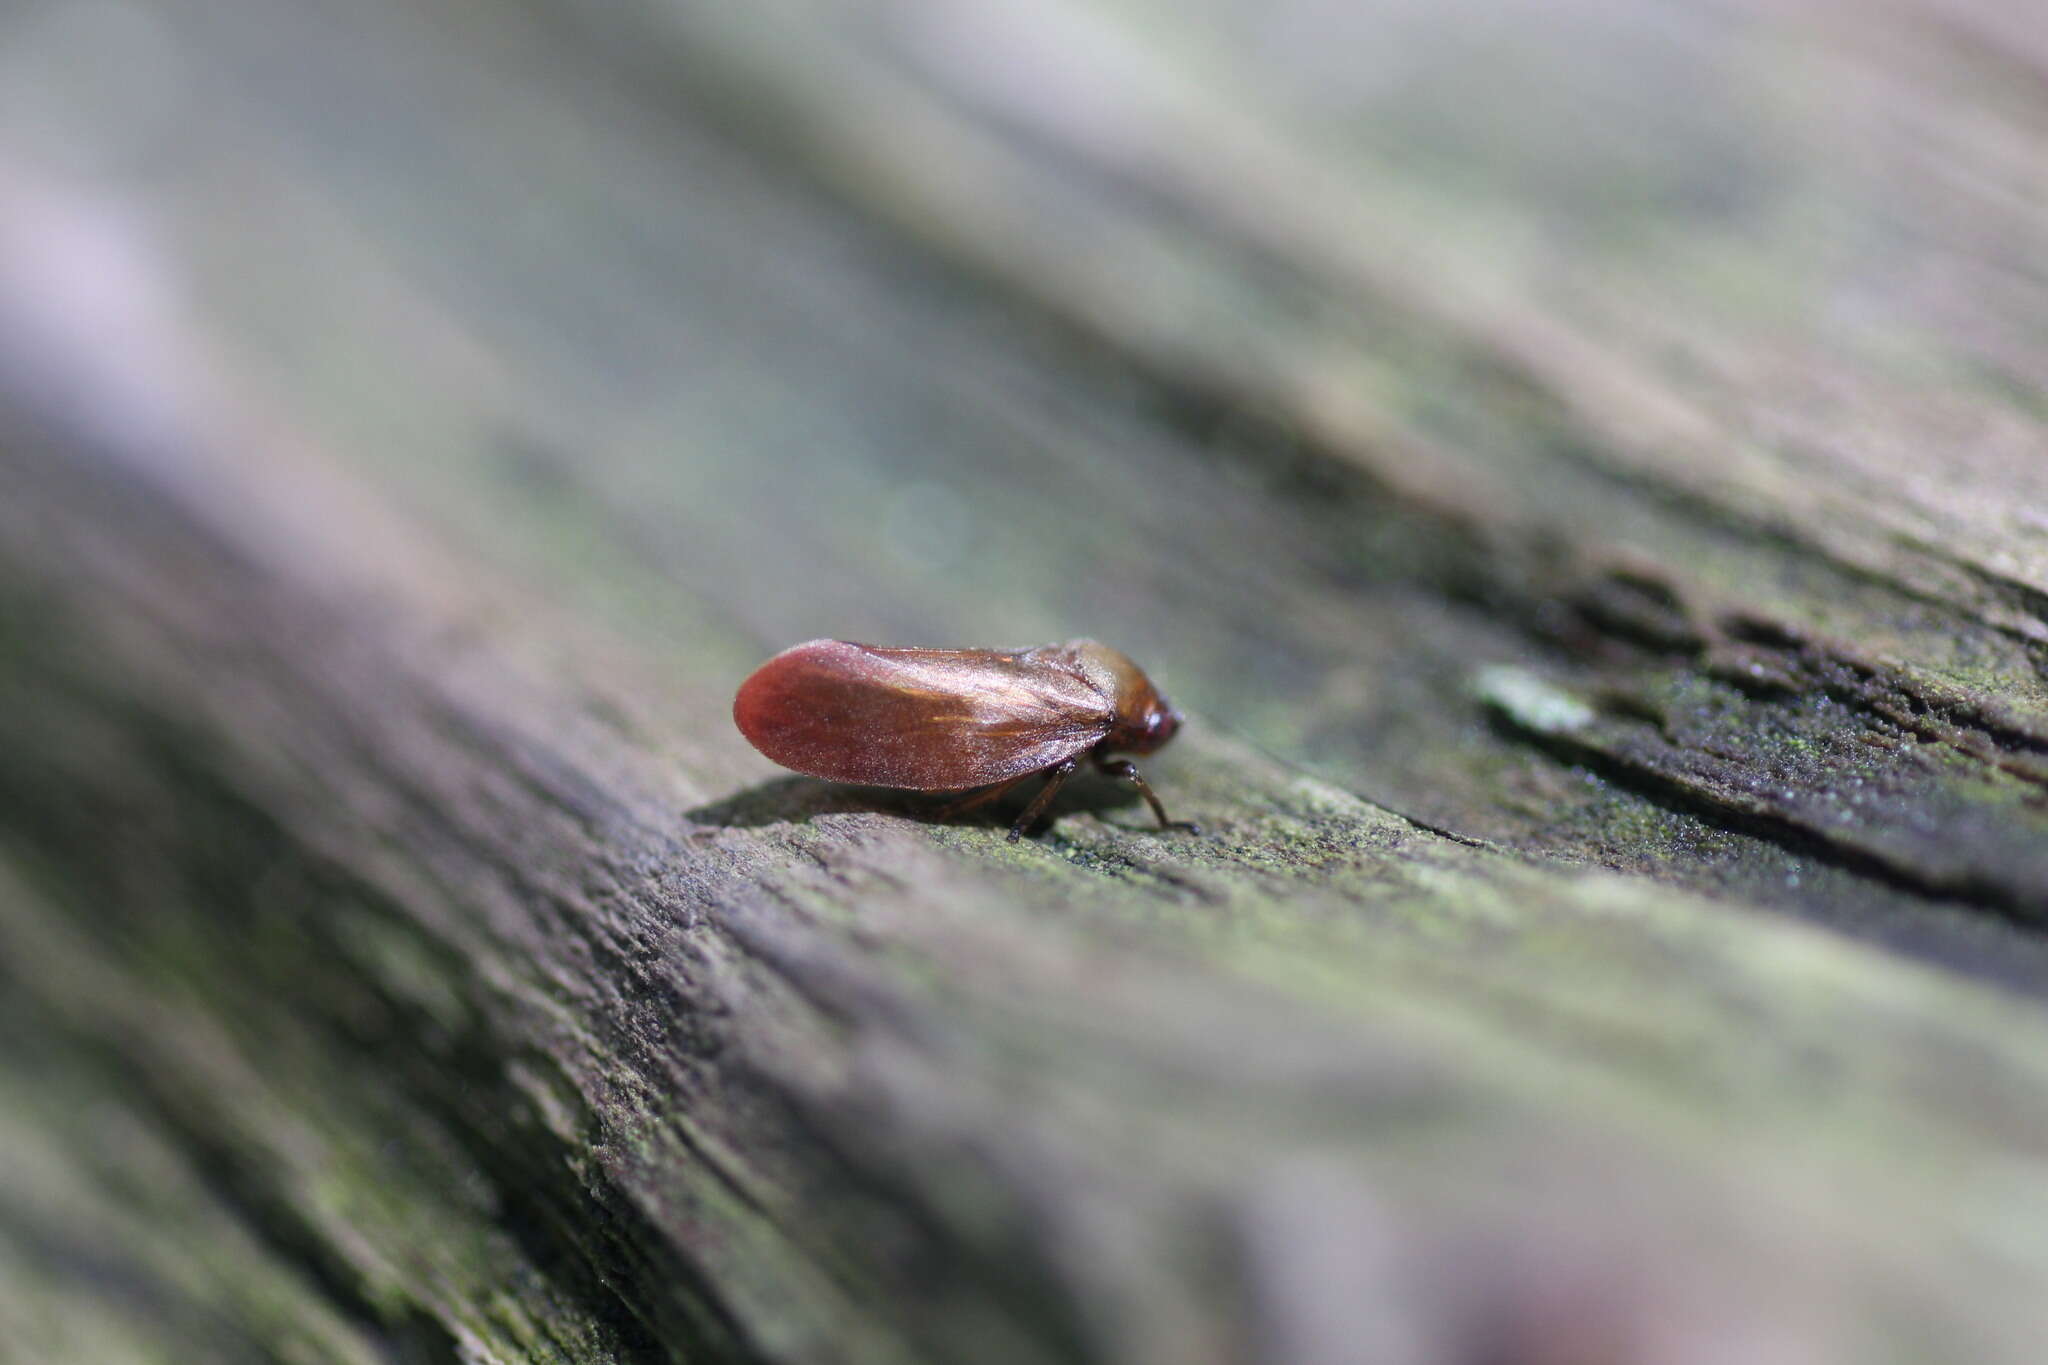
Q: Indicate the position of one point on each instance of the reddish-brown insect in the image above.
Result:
(955, 719)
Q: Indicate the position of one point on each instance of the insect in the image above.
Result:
(956, 719)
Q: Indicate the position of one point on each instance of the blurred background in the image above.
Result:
(1243, 335)
(1308, 351)
(1400, 383)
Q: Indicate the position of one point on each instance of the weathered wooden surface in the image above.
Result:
(1584, 469)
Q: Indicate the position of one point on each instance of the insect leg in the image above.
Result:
(1123, 767)
(1055, 778)
(976, 800)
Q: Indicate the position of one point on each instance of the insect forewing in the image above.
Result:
(932, 719)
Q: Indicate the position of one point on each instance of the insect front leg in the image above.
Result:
(1123, 767)
(1055, 778)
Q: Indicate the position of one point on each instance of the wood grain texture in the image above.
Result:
(1578, 468)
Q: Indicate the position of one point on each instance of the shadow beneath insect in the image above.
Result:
(799, 800)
